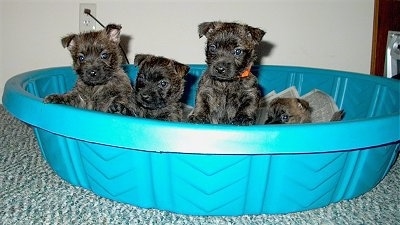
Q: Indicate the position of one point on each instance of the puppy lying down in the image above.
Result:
(288, 110)
(287, 107)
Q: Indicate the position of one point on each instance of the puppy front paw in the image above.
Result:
(197, 119)
(119, 108)
(54, 98)
(243, 120)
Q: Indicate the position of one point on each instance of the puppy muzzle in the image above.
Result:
(223, 70)
(150, 101)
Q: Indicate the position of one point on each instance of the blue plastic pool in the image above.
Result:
(219, 169)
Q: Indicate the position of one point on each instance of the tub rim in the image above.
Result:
(94, 127)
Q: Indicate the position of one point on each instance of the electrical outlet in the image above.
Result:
(87, 23)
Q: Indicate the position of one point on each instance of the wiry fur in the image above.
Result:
(159, 87)
(102, 84)
(288, 110)
(223, 97)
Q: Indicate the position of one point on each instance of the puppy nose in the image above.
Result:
(220, 69)
(92, 73)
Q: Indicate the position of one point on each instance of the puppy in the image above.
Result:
(228, 92)
(288, 110)
(102, 84)
(159, 87)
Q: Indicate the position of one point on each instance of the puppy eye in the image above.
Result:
(237, 51)
(104, 55)
(81, 57)
(212, 48)
(163, 83)
(284, 118)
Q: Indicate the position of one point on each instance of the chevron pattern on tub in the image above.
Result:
(220, 184)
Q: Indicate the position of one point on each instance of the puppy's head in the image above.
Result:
(230, 49)
(159, 82)
(95, 54)
(288, 110)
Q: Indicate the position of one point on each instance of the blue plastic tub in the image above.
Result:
(219, 169)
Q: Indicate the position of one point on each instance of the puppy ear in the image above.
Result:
(113, 31)
(255, 33)
(139, 58)
(68, 41)
(181, 69)
(207, 27)
(303, 104)
(274, 101)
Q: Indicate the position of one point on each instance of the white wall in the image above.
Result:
(334, 34)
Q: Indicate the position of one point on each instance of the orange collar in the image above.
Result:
(245, 73)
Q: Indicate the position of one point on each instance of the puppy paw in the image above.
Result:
(54, 98)
(243, 120)
(197, 119)
(119, 108)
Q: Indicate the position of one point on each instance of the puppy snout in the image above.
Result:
(220, 69)
(145, 97)
(93, 73)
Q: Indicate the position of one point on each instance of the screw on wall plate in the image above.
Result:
(87, 23)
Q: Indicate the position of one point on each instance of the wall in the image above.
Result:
(334, 34)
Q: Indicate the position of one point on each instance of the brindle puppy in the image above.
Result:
(228, 92)
(159, 87)
(102, 84)
(288, 110)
